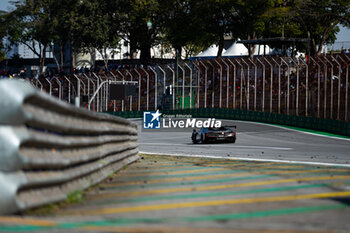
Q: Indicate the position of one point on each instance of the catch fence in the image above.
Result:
(315, 87)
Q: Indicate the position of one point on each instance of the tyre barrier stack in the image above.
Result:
(49, 149)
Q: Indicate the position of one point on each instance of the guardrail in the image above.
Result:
(48, 148)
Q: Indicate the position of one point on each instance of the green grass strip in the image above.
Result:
(268, 213)
(302, 170)
(310, 131)
(138, 178)
(150, 170)
(130, 221)
(190, 182)
(218, 194)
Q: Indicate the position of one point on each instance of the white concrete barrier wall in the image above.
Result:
(49, 149)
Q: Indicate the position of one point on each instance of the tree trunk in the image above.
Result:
(74, 59)
(323, 40)
(179, 52)
(42, 60)
(55, 58)
(145, 56)
(251, 49)
(313, 47)
(221, 45)
(62, 56)
(133, 46)
(93, 57)
(104, 55)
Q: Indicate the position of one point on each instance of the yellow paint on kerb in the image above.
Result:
(211, 203)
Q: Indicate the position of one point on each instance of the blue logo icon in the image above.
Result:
(151, 120)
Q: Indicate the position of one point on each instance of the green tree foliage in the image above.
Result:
(193, 25)
(2, 35)
(28, 24)
(95, 26)
(216, 19)
(319, 20)
(249, 19)
(281, 20)
(139, 25)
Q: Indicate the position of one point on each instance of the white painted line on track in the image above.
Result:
(250, 159)
(216, 145)
(294, 130)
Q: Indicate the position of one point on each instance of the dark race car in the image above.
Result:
(205, 135)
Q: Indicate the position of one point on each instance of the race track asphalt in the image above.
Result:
(254, 141)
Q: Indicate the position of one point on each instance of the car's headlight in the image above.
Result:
(230, 134)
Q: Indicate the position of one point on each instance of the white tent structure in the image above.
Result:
(236, 49)
(212, 51)
(260, 51)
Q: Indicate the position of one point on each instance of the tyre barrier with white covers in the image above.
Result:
(49, 149)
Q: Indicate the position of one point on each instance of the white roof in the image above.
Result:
(268, 50)
(212, 51)
(236, 49)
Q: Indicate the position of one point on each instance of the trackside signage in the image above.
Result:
(155, 120)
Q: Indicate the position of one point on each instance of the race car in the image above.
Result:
(212, 134)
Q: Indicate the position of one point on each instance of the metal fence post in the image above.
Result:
(325, 88)
(297, 86)
(59, 88)
(241, 88)
(220, 92)
(98, 96)
(332, 73)
(227, 81)
(155, 88)
(248, 83)
(306, 86)
(318, 85)
(271, 84)
(77, 98)
(139, 97)
(255, 80)
(147, 87)
(94, 88)
(173, 87)
(123, 100)
(164, 81)
(69, 87)
(198, 79)
(213, 89)
(190, 83)
(36, 84)
(263, 85)
(339, 82)
(205, 83)
(288, 83)
(234, 84)
(346, 86)
(183, 86)
(127, 71)
(50, 86)
(279, 84)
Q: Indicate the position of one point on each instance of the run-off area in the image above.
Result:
(182, 194)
